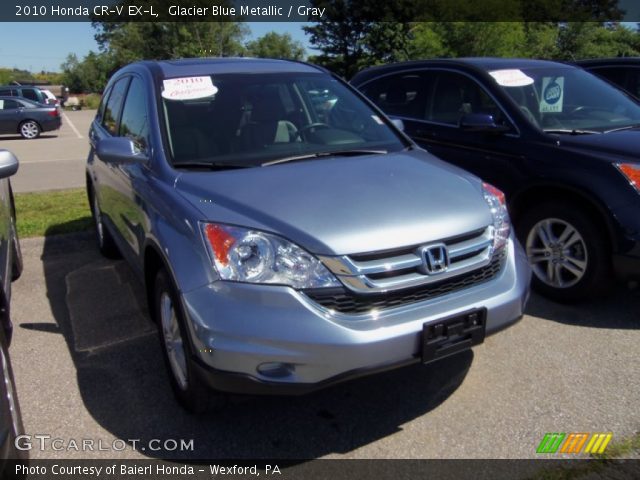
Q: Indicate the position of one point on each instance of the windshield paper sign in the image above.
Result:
(188, 88)
(552, 94)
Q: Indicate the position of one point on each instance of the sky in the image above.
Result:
(44, 46)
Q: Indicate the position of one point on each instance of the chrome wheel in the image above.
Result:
(29, 130)
(173, 340)
(557, 253)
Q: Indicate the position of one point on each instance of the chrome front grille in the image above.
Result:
(347, 302)
(380, 272)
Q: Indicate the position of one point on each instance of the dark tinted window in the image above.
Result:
(134, 123)
(634, 82)
(103, 104)
(402, 94)
(7, 92)
(615, 75)
(9, 105)
(114, 105)
(455, 95)
(30, 93)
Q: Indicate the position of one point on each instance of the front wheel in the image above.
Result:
(567, 250)
(106, 244)
(189, 390)
(29, 129)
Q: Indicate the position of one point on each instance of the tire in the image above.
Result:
(568, 251)
(29, 129)
(188, 388)
(106, 244)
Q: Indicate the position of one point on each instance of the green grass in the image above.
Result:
(621, 448)
(52, 213)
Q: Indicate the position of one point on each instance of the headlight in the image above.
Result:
(631, 172)
(501, 223)
(253, 256)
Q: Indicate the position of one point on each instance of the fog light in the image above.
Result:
(275, 369)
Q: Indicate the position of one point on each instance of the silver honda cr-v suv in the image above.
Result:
(289, 236)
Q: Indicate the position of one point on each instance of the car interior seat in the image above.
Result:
(188, 141)
(267, 124)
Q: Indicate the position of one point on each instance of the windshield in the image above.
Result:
(563, 99)
(239, 120)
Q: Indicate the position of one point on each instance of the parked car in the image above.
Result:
(29, 119)
(10, 269)
(29, 92)
(561, 143)
(622, 71)
(51, 99)
(281, 254)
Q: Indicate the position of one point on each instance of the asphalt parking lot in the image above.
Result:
(55, 160)
(88, 366)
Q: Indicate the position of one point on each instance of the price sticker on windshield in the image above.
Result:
(552, 94)
(188, 88)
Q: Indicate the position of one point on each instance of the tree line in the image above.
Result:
(345, 44)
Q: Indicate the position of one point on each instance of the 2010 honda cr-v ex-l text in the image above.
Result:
(288, 234)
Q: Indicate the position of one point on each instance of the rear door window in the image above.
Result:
(114, 106)
(30, 93)
(9, 105)
(403, 94)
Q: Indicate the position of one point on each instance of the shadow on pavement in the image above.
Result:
(620, 309)
(99, 308)
(19, 137)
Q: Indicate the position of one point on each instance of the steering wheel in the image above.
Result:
(302, 130)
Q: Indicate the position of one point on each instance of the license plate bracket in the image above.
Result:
(454, 334)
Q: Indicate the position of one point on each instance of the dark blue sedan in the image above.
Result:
(29, 119)
(560, 142)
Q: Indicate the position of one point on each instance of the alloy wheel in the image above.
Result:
(557, 253)
(173, 340)
(29, 130)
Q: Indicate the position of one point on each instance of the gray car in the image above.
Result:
(29, 119)
(285, 248)
(10, 269)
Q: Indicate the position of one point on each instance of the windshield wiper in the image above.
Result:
(570, 131)
(338, 153)
(628, 127)
(210, 165)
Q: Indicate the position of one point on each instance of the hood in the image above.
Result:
(344, 205)
(625, 143)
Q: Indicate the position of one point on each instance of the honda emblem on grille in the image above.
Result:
(435, 258)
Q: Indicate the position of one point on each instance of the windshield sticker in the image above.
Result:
(376, 119)
(188, 88)
(552, 94)
(511, 78)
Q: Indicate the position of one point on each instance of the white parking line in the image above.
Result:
(73, 127)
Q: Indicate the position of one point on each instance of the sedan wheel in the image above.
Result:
(29, 130)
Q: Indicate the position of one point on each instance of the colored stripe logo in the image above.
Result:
(574, 443)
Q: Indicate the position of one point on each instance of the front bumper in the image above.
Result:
(240, 331)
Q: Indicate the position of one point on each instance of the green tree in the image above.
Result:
(275, 45)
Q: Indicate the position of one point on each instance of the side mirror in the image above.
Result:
(8, 164)
(399, 124)
(481, 122)
(120, 150)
